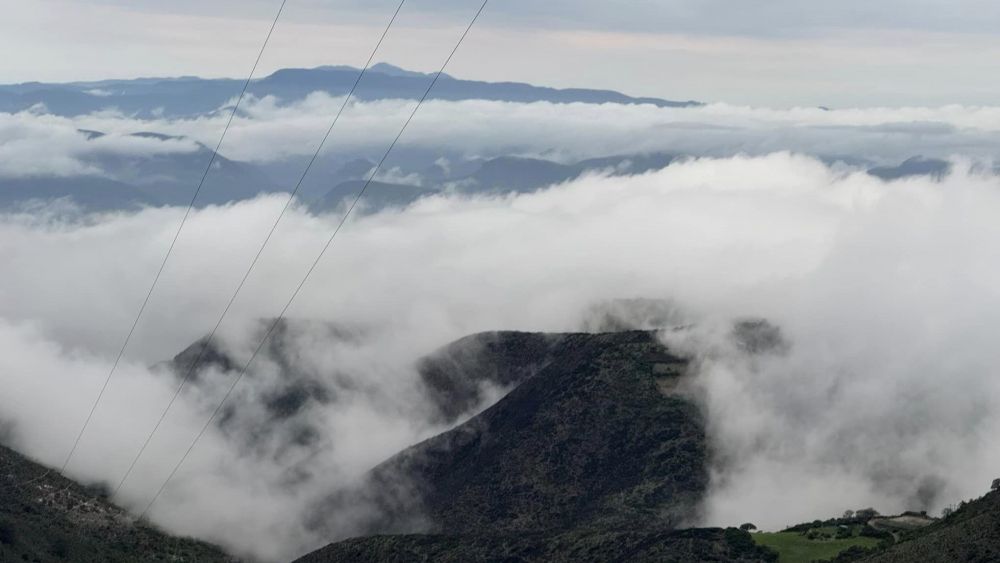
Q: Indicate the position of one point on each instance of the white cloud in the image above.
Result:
(268, 131)
(40, 144)
(396, 175)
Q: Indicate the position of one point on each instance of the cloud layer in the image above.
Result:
(271, 132)
(37, 144)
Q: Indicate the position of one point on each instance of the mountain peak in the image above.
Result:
(393, 70)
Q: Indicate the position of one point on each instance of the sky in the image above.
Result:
(775, 53)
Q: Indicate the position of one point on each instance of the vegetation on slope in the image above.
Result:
(798, 547)
(46, 518)
(970, 534)
(662, 546)
(591, 439)
(594, 456)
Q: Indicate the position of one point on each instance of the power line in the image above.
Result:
(253, 264)
(173, 243)
(312, 268)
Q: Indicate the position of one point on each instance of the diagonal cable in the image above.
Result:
(192, 368)
(173, 243)
(274, 324)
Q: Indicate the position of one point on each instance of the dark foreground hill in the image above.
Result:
(597, 437)
(47, 518)
(664, 546)
(594, 453)
(593, 457)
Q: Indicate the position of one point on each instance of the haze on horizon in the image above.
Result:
(777, 53)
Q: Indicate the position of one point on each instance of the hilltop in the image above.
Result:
(595, 456)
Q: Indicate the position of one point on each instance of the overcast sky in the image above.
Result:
(766, 52)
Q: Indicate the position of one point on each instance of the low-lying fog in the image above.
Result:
(887, 293)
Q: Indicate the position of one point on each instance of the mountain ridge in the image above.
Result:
(189, 96)
(592, 449)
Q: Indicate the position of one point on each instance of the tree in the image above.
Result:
(948, 511)
(748, 527)
(996, 485)
(866, 513)
(848, 514)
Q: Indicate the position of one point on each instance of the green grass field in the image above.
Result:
(793, 547)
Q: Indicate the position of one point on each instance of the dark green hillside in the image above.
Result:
(596, 454)
(592, 438)
(46, 518)
(455, 375)
(663, 546)
(970, 535)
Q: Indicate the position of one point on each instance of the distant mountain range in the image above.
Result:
(480, 176)
(129, 181)
(136, 181)
(132, 181)
(191, 96)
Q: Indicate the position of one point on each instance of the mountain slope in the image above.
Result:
(662, 546)
(916, 166)
(520, 174)
(172, 178)
(45, 517)
(126, 181)
(88, 192)
(970, 534)
(590, 439)
(484, 176)
(454, 380)
(458, 376)
(596, 442)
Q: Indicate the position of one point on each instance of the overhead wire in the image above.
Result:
(172, 246)
(277, 320)
(207, 342)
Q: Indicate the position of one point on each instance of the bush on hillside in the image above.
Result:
(8, 534)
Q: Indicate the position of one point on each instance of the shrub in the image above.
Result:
(869, 532)
(739, 539)
(866, 513)
(8, 534)
(60, 547)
